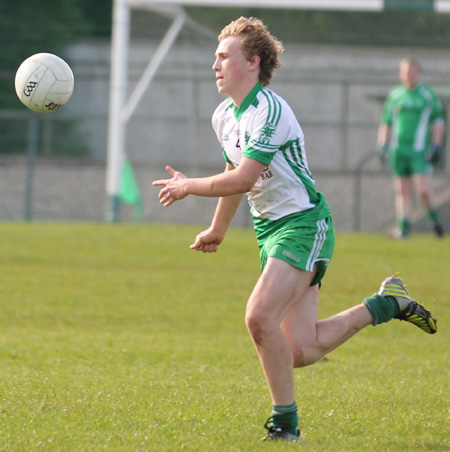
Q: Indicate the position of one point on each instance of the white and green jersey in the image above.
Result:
(411, 115)
(264, 128)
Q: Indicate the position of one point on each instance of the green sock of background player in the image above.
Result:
(405, 225)
(433, 216)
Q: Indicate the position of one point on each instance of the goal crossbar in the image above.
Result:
(376, 5)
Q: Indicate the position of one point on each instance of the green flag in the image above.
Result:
(129, 189)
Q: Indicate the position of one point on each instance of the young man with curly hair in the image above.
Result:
(264, 150)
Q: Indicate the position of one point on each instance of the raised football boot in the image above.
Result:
(410, 310)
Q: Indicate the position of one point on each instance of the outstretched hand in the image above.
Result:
(173, 189)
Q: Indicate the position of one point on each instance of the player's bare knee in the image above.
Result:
(258, 326)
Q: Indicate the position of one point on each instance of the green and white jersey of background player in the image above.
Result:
(411, 115)
(291, 218)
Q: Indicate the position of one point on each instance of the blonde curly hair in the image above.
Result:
(256, 40)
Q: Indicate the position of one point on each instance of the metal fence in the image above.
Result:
(46, 177)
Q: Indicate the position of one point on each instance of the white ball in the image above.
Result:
(44, 82)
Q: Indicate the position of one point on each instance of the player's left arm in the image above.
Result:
(437, 121)
(437, 133)
(238, 181)
(437, 138)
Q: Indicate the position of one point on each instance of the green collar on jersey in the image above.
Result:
(249, 100)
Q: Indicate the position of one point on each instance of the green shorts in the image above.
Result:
(303, 245)
(406, 164)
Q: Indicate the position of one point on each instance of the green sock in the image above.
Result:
(405, 225)
(433, 216)
(382, 308)
(285, 417)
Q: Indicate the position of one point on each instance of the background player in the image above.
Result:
(411, 131)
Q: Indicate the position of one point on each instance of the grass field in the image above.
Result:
(119, 338)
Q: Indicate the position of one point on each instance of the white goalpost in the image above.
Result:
(121, 108)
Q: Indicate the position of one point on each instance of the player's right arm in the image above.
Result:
(209, 240)
(384, 129)
(384, 133)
